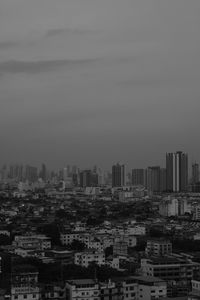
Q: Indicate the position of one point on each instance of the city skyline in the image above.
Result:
(129, 166)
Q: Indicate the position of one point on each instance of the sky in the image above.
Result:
(99, 81)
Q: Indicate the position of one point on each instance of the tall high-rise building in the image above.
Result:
(88, 178)
(16, 172)
(153, 179)
(43, 172)
(163, 178)
(195, 173)
(177, 171)
(138, 177)
(31, 173)
(118, 175)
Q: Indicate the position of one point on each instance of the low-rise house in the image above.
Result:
(89, 256)
(176, 271)
(158, 247)
(24, 283)
(84, 289)
(195, 293)
(37, 242)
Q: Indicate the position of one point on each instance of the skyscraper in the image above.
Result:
(177, 171)
(162, 179)
(118, 175)
(138, 177)
(88, 178)
(153, 179)
(43, 172)
(31, 173)
(195, 173)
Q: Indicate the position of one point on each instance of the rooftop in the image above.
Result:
(21, 269)
(81, 281)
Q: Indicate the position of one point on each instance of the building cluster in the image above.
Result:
(156, 179)
(161, 274)
(128, 235)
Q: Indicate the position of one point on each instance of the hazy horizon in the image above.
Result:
(99, 81)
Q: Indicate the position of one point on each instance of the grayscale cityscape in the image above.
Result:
(100, 150)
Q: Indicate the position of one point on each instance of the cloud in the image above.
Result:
(34, 67)
(8, 44)
(53, 32)
(58, 31)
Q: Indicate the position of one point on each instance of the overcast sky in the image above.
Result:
(99, 81)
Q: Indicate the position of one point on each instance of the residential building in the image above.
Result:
(88, 257)
(118, 175)
(163, 180)
(195, 173)
(153, 179)
(176, 271)
(177, 171)
(169, 207)
(53, 291)
(120, 247)
(150, 288)
(158, 247)
(138, 177)
(111, 291)
(24, 283)
(196, 212)
(37, 242)
(84, 289)
(130, 288)
(195, 293)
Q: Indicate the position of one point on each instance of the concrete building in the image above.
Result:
(53, 291)
(158, 247)
(118, 175)
(88, 257)
(150, 288)
(195, 173)
(138, 177)
(24, 283)
(196, 212)
(88, 178)
(177, 171)
(169, 207)
(89, 240)
(195, 293)
(153, 179)
(176, 271)
(84, 289)
(163, 180)
(111, 291)
(130, 288)
(36, 242)
(120, 247)
(136, 229)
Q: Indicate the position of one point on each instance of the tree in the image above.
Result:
(4, 240)
(77, 246)
(109, 251)
(52, 231)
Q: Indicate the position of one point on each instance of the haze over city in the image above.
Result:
(99, 81)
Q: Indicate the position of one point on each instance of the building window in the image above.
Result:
(16, 297)
(25, 296)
